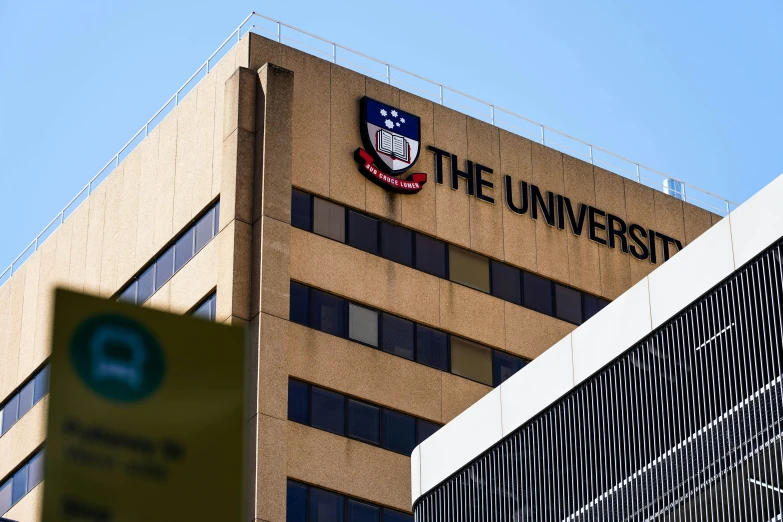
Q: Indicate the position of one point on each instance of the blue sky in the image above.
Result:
(689, 88)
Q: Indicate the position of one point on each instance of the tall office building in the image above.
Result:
(393, 259)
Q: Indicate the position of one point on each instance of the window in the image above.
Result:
(35, 471)
(538, 293)
(208, 308)
(328, 313)
(506, 282)
(362, 325)
(397, 336)
(301, 210)
(183, 249)
(424, 429)
(431, 256)
(569, 304)
(362, 232)
(299, 306)
(593, 305)
(24, 399)
(328, 410)
(129, 294)
(432, 348)
(329, 219)
(471, 360)
(390, 515)
(205, 229)
(164, 268)
(397, 244)
(5, 497)
(363, 421)
(505, 366)
(399, 432)
(468, 268)
(146, 285)
(22, 481)
(296, 502)
(298, 401)
(326, 506)
(361, 512)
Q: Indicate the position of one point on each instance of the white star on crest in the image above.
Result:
(384, 113)
(402, 120)
(389, 124)
(398, 124)
(394, 113)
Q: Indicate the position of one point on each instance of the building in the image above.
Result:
(379, 308)
(665, 406)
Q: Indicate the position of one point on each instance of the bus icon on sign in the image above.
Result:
(118, 353)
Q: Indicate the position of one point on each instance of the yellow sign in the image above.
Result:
(145, 417)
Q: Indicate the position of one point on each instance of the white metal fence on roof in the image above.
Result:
(406, 80)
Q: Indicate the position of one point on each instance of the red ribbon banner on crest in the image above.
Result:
(409, 185)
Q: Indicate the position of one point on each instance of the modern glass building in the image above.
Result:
(666, 405)
(282, 189)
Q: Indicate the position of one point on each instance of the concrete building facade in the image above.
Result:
(246, 205)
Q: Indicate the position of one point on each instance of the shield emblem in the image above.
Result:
(391, 135)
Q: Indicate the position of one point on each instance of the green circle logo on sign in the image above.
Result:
(117, 358)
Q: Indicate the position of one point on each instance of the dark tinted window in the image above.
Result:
(35, 471)
(298, 401)
(506, 282)
(300, 304)
(399, 432)
(537, 293)
(361, 512)
(362, 232)
(296, 502)
(504, 366)
(26, 398)
(431, 256)
(425, 429)
(20, 485)
(164, 268)
(432, 348)
(205, 229)
(217, 219)
(41, 383)
(327, 411)
(326, 506)
(301, 210)
(569, 304)
(10, 413)
(328, 313)
(364, 421)
(183, 250)
(397, 336)
(146, 285)
(593, 305)
(207, 309)
(397, 244)
(391, 515)
(129, 294)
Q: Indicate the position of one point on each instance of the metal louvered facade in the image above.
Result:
(685, 425)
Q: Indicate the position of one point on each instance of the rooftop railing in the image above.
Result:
(406, 80)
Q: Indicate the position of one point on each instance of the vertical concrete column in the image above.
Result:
(270, 285)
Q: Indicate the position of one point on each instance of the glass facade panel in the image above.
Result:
(362, 324)
(326, 506)
(593, 305)
(10, 413)
(431, 256)
(425, 429)
(392, 515)
(364, 421)
(301, 210)
(329, 219)
(205, 230)
(146, 285)
(506, 282)
(569, 304)
(328, 410)
(19, 485)
(397, 336)
(468, 268)
(399, 432)
(328, 313)
(164, 268)
(41, 383)
(5, 496)
(26, 398)
(299, 307)
(183, 249)
(35, 471)
(298, 401)
(505, 366)
(129, 294)
(397, 244)
(471, 360)
(362, 232)
(206, 310)
(296, 502)
(361, 512)
(432, 348)
(537, 293)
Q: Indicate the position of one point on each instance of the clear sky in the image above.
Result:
(689, 88)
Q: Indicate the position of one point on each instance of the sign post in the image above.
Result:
(145, 418)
